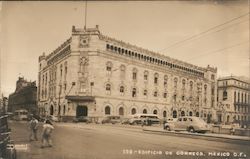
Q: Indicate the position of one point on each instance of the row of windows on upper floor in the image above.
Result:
(151, 59)
(109, 66)
(236, 83)
(145, 93)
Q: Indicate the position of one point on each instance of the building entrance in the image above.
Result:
(81, 110)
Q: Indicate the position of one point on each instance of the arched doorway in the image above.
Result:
(155, 111)
(121, 111)
(107, 110)
(133, 111)
(81, 110)
(51, 110)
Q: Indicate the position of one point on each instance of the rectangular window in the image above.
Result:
(134, 75)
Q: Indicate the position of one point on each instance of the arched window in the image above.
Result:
(156, 76)
(197, 114)
(224, 95)
(145, 92)
(183, 83)
(174, 114)
(182, 113)
(191, 85)
(165, 81)
(121, 111)
(190, 113)
(144, 111)
(134, 92)
(134, 74)
(155, 111)
(155, 93)
(107, 110)
(108, 88)
(133, 111)
(121, 89)
(145, 75)
(175, 82)
(164, 113)
(109, 68)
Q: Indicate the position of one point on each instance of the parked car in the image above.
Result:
(81, 119)
(53, 118)
(147, 119)
(125, 120)
(111, 119)
(189, 123)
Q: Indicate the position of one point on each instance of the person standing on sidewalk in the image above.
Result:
(33, 125)
(46, 134)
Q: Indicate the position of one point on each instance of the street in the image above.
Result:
(91, 141)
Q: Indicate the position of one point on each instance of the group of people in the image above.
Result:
(46, 132)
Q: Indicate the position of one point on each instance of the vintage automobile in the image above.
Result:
(81, 119)
(111, 119)
(187, 123)
(147, 119)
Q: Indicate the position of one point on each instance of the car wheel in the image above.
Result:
(191, 129)
(167, 128)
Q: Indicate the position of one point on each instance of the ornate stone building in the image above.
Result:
(24, 97)
(94, 75)
(233, 100)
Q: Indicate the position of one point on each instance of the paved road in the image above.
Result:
(81, 141)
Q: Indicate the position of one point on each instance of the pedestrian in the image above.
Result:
(33, 125)
(46, 134)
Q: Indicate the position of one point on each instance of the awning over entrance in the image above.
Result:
(81, 98)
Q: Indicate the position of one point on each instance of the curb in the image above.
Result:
(194, 135)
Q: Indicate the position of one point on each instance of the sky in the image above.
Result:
(178, 29)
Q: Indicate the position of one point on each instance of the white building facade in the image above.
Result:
(94, 75)
(233, 100)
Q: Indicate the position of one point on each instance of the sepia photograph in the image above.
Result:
(167, 79)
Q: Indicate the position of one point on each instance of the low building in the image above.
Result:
(94, 75)
(24, 97)
(233, 100)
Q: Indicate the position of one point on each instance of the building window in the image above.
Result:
(156, 76)
(107, 110)
(121, 111)
(155, 94)
(109, 68)
(183, 98)
(108, 89)
(133, 111)
(224, 95)
(190, 113)
(145, 75)
(165, 83)
(197, 114)
(145, 92)
(182, 113)
(183, 83)
(134, 75)
(61, 70)
(121, 89)
(144, 111)
(155, 111)
(212, 77)
(175, 82)
(175, 97)
(174, 114)
(134, 92)
(165, 95)
(164, 114)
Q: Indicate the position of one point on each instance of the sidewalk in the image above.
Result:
(222, 136)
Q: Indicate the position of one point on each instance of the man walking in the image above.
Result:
(46, 134)
(33, 124)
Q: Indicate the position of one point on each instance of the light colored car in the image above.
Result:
(111, 119)
(53, 118)
(147, 119)
(187, 123)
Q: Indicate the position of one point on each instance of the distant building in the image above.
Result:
(233, 100)
(94, 75)
(24, 97)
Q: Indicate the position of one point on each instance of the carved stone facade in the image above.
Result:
(104, 76)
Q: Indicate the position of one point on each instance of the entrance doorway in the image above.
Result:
(81, 110)
(51, 110)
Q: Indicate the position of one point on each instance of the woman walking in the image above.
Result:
(46, 134)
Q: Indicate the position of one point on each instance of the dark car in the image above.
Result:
(81, 119)
(111, 119)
